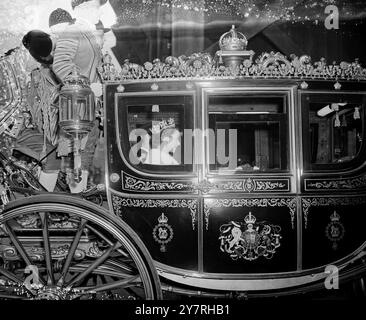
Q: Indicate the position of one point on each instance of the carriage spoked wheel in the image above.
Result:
(60, 247)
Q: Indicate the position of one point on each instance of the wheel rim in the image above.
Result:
(58, 247)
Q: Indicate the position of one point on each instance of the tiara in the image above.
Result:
(157, 127)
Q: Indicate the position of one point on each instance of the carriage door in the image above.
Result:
(249, 173)
(151, 172)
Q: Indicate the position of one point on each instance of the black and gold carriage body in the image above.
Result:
(292, 204)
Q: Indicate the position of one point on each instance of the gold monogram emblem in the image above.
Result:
(163, 232)
(335, 230)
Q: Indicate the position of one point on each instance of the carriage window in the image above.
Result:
(154, 133)
(335, 132)
(335, 129)
(249, 134)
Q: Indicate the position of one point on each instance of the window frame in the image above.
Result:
(287, 94)
(122, 134)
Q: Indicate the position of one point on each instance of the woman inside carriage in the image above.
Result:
(160, 143)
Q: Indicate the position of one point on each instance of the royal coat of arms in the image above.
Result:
(249, 240)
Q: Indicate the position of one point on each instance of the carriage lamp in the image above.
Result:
(233, 49)
(76, 113)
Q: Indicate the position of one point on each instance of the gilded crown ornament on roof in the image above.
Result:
(233, 40)
(233, 49)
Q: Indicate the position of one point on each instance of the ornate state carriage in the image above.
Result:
(267, 189)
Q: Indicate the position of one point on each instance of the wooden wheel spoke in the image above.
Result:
(19, 247)
(71, 252)
(47, 248)
(100, 270)
(121, 266)
(11, 276)
(123, 253)
(109, 286)
(113, 265)
(94, 265)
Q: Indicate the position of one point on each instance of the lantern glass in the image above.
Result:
(65, 108)
(81, 109)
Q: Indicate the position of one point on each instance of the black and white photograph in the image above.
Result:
(182, 158)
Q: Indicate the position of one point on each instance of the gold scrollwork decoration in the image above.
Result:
(290, 203)
(56, 221)
(119, 202)
(131, 183)
(356, 183)
(142, 185)
(202, 66)
(246, 185)
(58, 251)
